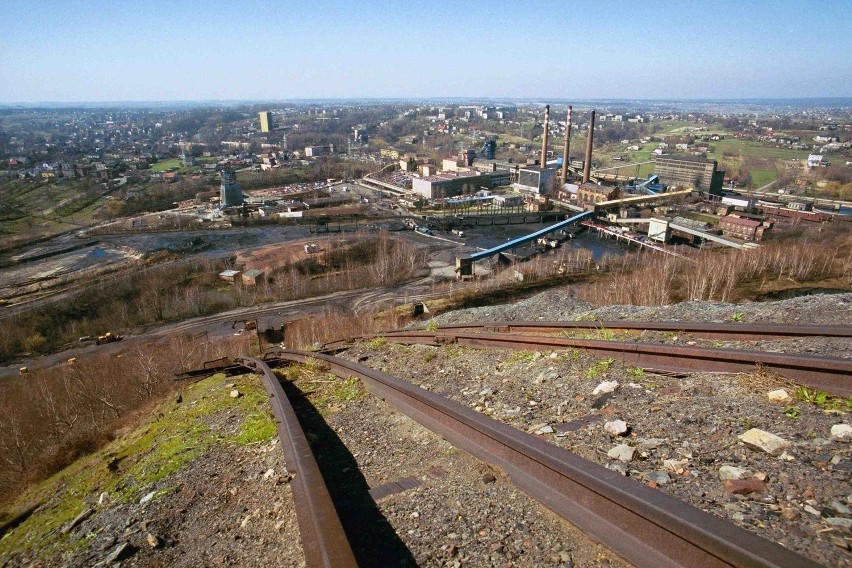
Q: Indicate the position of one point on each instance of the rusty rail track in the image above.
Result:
(645, 526)
(323, 538)
(728, 331)
(833, 375)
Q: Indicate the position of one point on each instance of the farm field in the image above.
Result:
(164, 165)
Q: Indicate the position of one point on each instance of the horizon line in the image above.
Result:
(417, 98)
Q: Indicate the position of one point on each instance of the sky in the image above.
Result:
(120, 50)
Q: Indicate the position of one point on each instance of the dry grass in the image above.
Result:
(726, 276)
(762, 380)
(333, 326)
(51, 417)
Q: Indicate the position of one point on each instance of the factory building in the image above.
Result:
(533, 179)
(450, 184)
(746, 229)
(690, 172)
(591, 193)
(316, 151)
(511, 200)
(265, 120)
(230, 193)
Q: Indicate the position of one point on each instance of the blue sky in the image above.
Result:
(202, 50)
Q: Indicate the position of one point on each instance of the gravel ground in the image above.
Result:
(561, 305)
(683, 431)
(230, 506)
(227, 510)
(457, 511)
(233, 505)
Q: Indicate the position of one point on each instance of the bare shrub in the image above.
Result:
(719, 275)
(51, 417)
(335, 325)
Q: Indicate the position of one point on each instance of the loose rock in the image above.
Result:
(122, 551)
(758, 439)
(658, 477)
(236, 393)
(616, 428)
(729, 472)
(841, 431)
(77, 520)
(779, 395)
(606, 386)
(744, 486)
(622, 452)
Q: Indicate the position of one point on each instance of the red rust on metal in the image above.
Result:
(729, 331)
(825, 373)
(323, 539)
(646, 527)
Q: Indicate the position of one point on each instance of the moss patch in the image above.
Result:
(326, 391)
(140, 462)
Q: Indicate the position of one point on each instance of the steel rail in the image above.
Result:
(829, 374)
(729, 331)
(646, 527)
(323, 538)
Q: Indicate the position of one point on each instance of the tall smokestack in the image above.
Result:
(587, 164)
(564, 178)
(544, 138)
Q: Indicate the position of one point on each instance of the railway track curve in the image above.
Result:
(644, 526)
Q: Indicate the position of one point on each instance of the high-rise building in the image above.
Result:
(230, 192)
(265, 120)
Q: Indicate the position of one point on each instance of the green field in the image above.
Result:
(759, 178)
(164, 165)
(753, 149)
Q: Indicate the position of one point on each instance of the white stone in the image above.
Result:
(616, 428)
(269, 473)
(779, 395)
(547, 429)
(235, 394)
(841, 431)
(147, 497)
(606, 386)
(731, 472)
(764, 441)
(622, 452)
(675, 466)
(103, 499)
